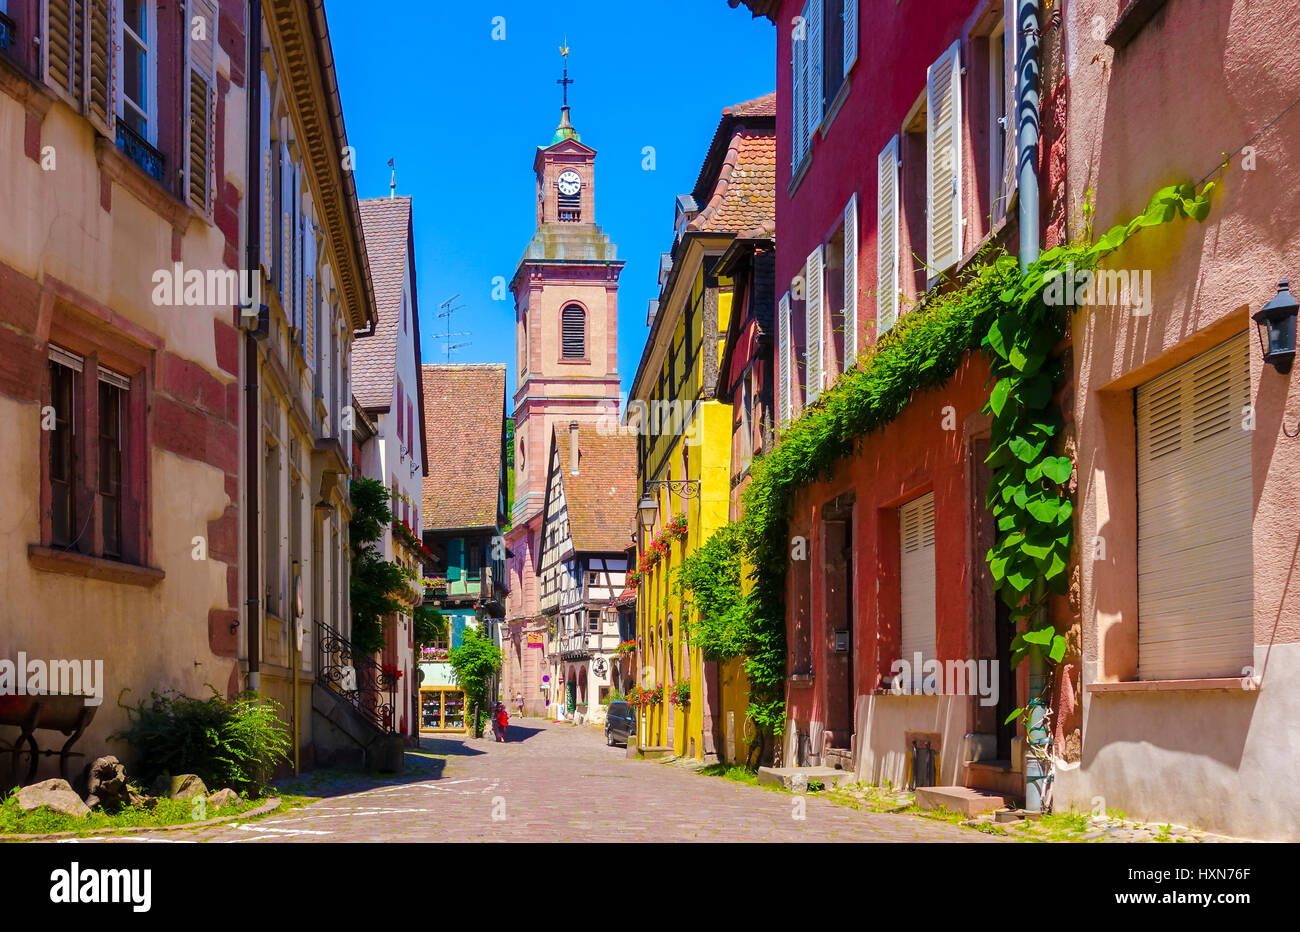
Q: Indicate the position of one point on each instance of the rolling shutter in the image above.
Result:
(813, 330)
(201, 106)
(783, 358)
(851, 34)
(268, 195)
(1011, 144)
(1195, 505)
(62, 66)
(917, 578)
(813, 73)
(99, 101)
(943, 161)
(851, 281)
(887, 238)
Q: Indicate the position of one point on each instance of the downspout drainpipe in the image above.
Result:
(252, 389)
(1037, 767)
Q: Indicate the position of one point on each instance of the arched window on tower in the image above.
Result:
(573, 325)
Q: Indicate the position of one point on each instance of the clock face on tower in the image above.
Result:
(569, 183)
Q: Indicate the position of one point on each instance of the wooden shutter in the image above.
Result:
(268, 194)
(943, 161)
(798, 54)
(813, 73)
(201, 108)
(851, 281)
(1011, 137)
(851, 34)
(300, 262)
(573, 332)
(783, 359)
(62, 31)
(287, 187)
(1195, 505)
(99, 100)
(455, 558)
(917, 579)
(813, 329)
(887, 238)
(309, 293)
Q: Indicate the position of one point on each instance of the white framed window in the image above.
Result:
(137, 68)
(1002, 106)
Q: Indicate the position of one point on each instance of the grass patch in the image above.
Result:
(733, 772)
(14, 821)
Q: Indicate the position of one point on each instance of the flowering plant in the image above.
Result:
(679, 694)
(625, 647)
(392, 672)
(676, 528)
(640, 698)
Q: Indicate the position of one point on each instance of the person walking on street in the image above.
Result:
(519, 702)
(502, 720)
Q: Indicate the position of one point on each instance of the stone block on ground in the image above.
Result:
(181, 786)
(55, 795)
(796, 779)
(960, 799)
(223, 797)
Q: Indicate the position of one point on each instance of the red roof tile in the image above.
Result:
(387, 224)
(744, 196)
(602, 497)
(759, 106)
(464, 411)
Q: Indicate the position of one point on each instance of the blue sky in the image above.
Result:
(424, 82)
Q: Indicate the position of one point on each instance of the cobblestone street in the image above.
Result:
(559, 783)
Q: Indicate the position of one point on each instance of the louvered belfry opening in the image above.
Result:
(573, 325)
(570, 208)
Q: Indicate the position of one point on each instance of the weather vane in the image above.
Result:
(565, 81)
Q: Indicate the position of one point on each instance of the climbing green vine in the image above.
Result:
(994, 306)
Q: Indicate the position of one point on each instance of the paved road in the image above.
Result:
(560, 783)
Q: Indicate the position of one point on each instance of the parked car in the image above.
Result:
(620, 723)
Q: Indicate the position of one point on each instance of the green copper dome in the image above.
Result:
(565, 130)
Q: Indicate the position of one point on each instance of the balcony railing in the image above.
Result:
(370, 688)
(138, 149)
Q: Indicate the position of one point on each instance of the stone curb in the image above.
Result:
(270, 805)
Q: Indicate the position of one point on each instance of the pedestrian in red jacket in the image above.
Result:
(502, 720)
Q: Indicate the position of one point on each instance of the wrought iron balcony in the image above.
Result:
(139, 151)
(8, 33)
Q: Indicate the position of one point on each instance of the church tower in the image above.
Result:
(566, 312)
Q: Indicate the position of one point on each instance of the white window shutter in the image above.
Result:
(917, 583)
(851, 34)
(310, 300)
(813, 73)
(784, 352)
(887, 238)
(798, 51)
(99, 93)
(943, 161)
(62, 63)
(300, 263)
(1011, 145)
(201, 106)
(1195, 510)
(814, 332)
(268, 166)
(851, 281)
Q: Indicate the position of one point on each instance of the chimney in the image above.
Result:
(573, 447)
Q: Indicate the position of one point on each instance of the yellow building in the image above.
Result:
(684, 445)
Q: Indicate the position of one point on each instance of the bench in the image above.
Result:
(68, 715)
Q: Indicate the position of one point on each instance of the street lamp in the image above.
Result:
(1276, 321)
(649, 510)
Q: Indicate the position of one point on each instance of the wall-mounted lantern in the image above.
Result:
(1276, 321)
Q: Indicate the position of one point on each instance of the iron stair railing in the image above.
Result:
(356, 677)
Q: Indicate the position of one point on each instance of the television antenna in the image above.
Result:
(445, 310)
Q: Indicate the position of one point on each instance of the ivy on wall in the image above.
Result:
(1017, 318)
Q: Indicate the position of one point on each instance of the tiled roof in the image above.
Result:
(759, 106)
(603, 495)
(744, 197)
(387, 225)
(464, 410)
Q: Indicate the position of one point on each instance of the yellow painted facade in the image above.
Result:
(685, 434)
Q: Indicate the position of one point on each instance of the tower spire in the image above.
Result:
(565, 130)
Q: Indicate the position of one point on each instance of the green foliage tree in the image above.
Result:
(375, 581)
(473, 665)
(430, 626)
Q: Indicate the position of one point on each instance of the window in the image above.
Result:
(271, 479)
(1002, 104)
(746, 447)
(832, 54)
(95, 497)
(137, 64)
(1195, 509)
(573, 324)
(593, 621)
(917, 581)
(475, 569)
